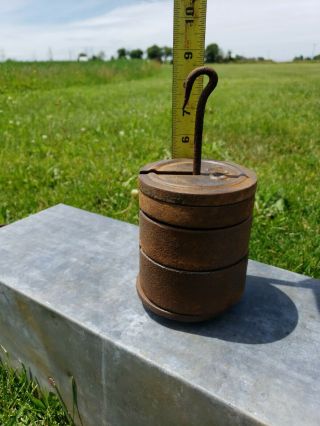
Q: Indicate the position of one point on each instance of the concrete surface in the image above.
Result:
(68, 308)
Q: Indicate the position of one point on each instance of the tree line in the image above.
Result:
(306, 58)
(213, 54)
(154, 52)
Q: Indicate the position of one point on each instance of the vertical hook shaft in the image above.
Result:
(206, 92)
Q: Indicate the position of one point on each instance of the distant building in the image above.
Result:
(83, 57)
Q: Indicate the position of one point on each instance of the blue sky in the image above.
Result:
(44, 12)
(278, 29)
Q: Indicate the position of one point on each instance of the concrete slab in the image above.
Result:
(68, 308)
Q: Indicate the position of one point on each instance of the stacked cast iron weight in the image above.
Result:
(195, 221)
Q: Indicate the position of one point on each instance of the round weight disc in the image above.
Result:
(219, 183)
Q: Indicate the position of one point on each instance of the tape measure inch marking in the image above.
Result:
(188, 53)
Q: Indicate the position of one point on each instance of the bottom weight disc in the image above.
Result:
(167, 314)
(189, 296)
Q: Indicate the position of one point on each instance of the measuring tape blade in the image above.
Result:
(188, 53)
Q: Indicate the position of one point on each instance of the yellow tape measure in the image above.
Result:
(188, 53)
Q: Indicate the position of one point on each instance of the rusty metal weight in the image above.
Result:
(195, 220)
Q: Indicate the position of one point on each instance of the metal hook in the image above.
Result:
(206, 92)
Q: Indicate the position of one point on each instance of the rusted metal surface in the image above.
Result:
(204, 217)
(189, 296)
(220, 182)
(195, 220)
(194, 249)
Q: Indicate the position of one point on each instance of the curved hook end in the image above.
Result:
(197, 72)
(206, 92)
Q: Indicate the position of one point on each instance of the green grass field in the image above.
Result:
(78, 134)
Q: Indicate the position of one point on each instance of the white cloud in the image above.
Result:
(277, 28)
(134, 26)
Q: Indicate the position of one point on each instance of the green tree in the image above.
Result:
(229, 57)
(155, 53)
(213, 53)
(240, 58)
(99, 57)
(122, 53)
(167, 53)
(136, 54)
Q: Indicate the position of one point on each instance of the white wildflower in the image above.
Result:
(134, 193)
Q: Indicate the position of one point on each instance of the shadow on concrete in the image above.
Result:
(264, 315)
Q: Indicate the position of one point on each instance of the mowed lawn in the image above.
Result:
(77, 133)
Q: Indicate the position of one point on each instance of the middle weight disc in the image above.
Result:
(194, 249)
